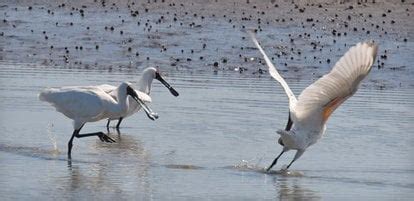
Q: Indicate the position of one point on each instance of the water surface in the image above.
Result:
(211, 142)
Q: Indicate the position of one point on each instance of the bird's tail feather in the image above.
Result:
(46, 95)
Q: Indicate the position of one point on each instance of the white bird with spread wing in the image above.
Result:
(308, 114)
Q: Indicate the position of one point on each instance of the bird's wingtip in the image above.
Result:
(373, 46)
(369, 45)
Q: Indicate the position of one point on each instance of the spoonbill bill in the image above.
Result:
(89, 104)
(143, 91)
(309, 113)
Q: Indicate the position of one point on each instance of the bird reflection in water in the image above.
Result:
(124, 162)
(289, 188)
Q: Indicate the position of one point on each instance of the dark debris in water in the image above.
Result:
(183, 167)
(92, 34)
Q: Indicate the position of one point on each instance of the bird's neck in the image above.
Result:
(144, 83)
(122, 102)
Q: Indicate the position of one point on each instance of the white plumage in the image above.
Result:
(83, 104)
(308, 114)
(89, 104)
(133, 105)
(143, 91)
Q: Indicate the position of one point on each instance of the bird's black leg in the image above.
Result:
(70, 143)
(75, 132)
(107, 124)
(297, 155)
(290, 164)
(289, 124)
(275, 161)
(102, 136)
(119, 122)
(119, 134)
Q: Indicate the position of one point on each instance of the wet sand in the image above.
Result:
(304, 38)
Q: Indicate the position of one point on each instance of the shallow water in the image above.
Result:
(211, 142)
(214, 141)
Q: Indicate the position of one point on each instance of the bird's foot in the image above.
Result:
(152, 116)
(284, 168)
(105, 138)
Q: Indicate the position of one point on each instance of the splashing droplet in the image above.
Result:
(52, 137)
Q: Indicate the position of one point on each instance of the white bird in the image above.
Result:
(308, 114)
(143, 91)
(89, 104)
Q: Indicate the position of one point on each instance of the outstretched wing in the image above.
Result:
(317, 102)
(273, 72)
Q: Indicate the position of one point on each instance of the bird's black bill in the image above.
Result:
(152, 115)
(165, 83)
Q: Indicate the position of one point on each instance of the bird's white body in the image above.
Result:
(91, 103)
(133, 106)
(309, 113)
(86, 103)
(317, 102)
(143, 89)
(301, 137)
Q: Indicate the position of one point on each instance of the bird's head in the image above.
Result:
(157, 75)
(285, 137)
(280, 141)
(148, 75)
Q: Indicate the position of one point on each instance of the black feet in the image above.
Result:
(105, 138)
(102, 136)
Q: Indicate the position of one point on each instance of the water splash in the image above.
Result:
(288, 173)
(52, 138)
(245, 165)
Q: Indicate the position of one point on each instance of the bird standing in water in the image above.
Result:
(89, 104)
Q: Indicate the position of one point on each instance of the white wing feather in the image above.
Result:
(273, 72)
(321, 98)
(107, 88)
(74, 102)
